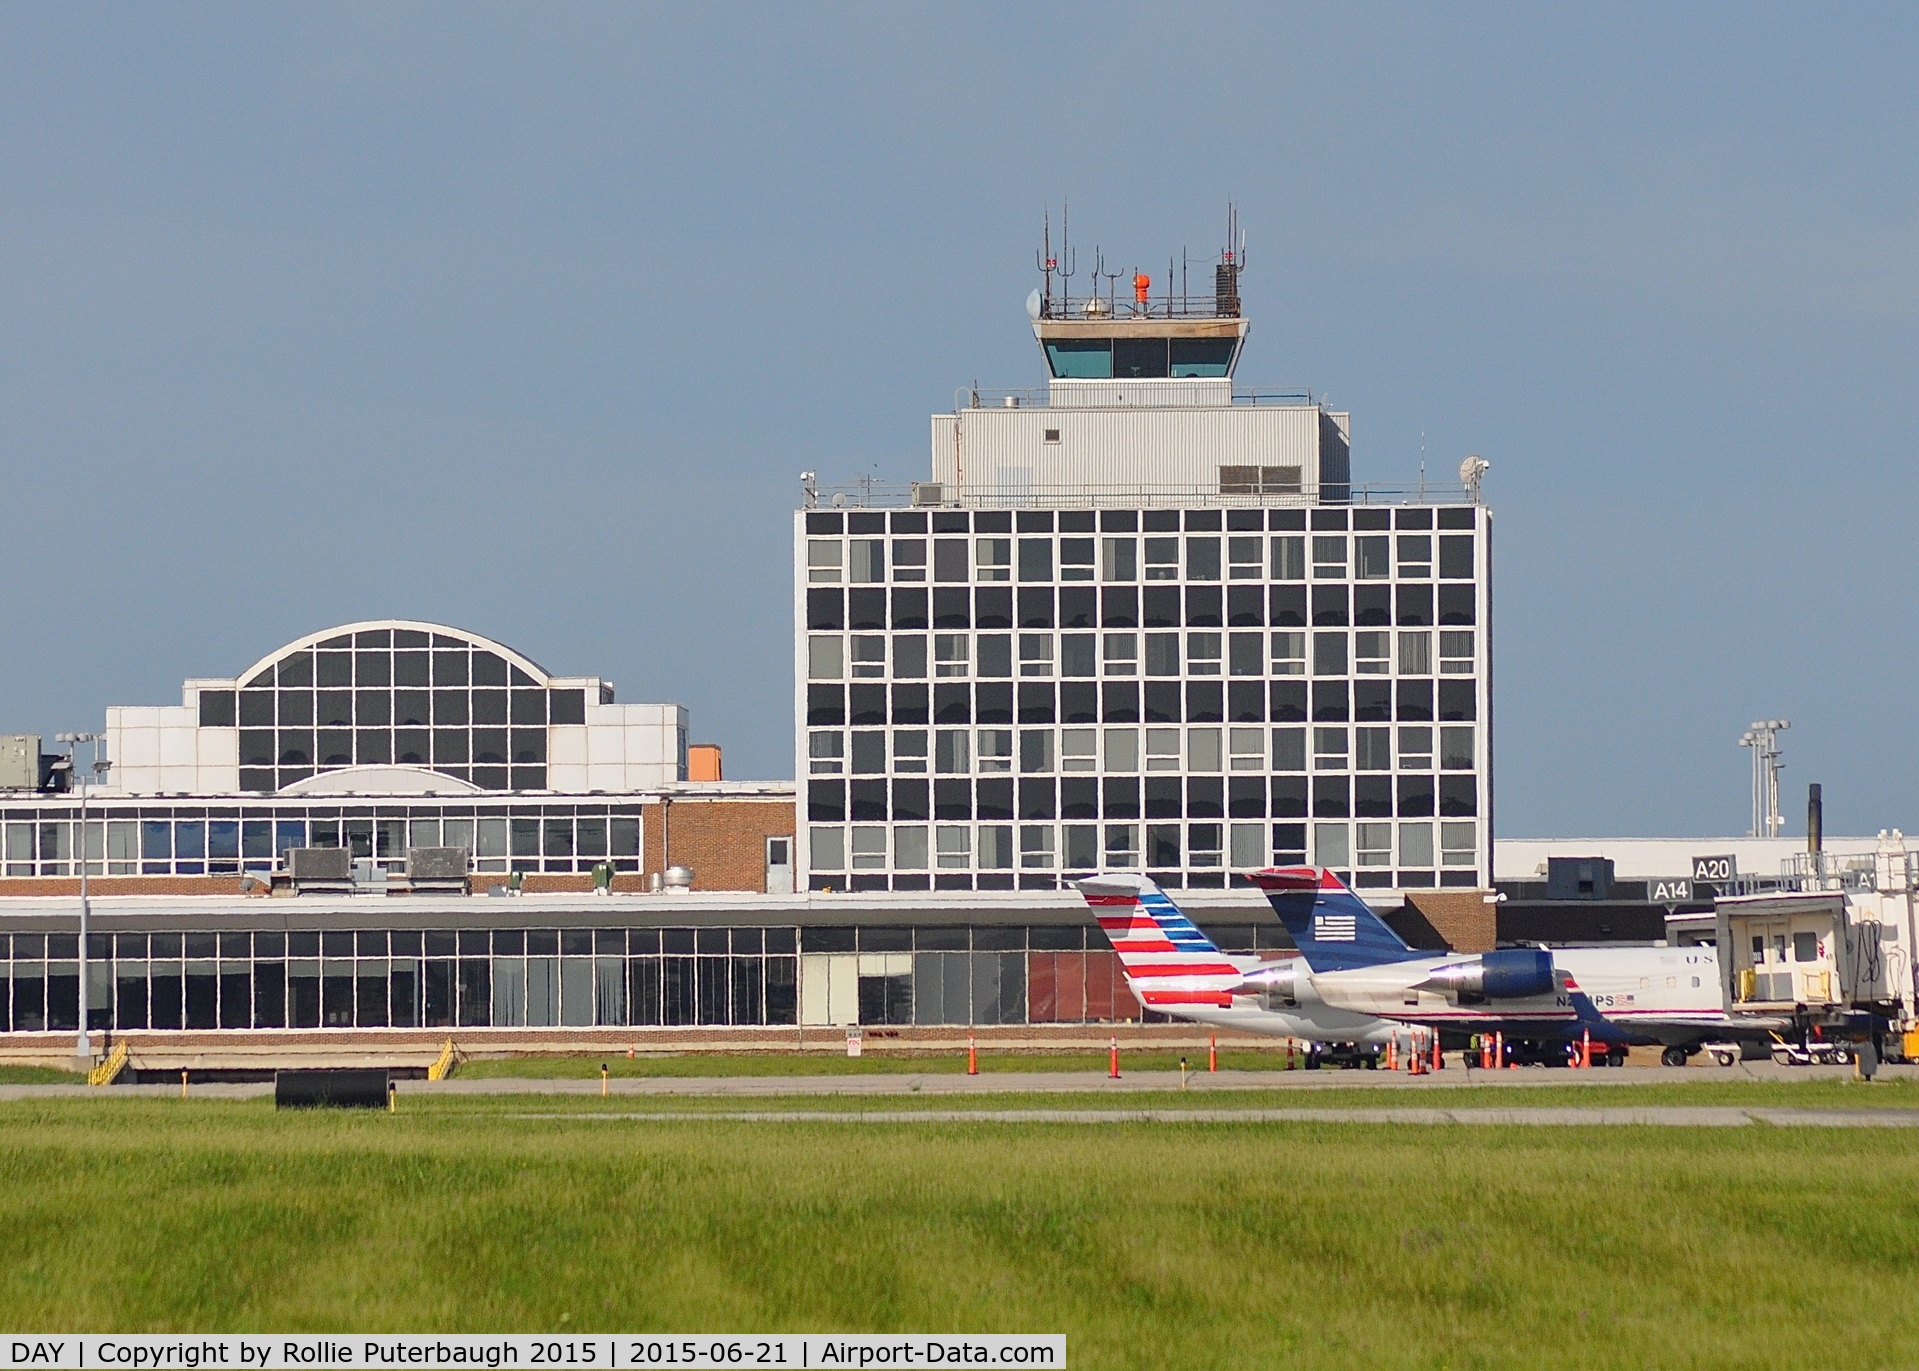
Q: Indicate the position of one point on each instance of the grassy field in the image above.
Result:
(39, 1075)
(1304, 1244)
(880, 1062)
(1806, 1093)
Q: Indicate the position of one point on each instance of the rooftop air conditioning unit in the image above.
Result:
(436, 864)
(331, 865)
(928, 493)
(20, 761)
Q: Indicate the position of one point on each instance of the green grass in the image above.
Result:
(1806, 1093)
(39, 1075)
(1304, 1245)
(873, 1062)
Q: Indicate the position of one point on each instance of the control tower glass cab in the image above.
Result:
(1194, 341)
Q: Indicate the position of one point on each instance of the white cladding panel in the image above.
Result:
(619, 748)
(1006, 450)
(1633, 859)
(830, 988)
(945, 450)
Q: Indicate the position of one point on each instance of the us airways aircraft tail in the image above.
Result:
(1333, 928)
(1626, 995)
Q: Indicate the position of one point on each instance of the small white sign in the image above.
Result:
(852, 1042)
(1724, 868)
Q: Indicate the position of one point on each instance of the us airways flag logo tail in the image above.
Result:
(1169, 963)
(1334, 928)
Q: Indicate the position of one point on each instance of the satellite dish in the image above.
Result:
(1471, 471)
(1033, 305)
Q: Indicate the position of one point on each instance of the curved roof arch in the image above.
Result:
(381, 780)
(312, 640)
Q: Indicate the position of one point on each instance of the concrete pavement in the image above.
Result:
(1014, 1082)
(1658, 1117)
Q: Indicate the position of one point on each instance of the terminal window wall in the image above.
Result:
(1193, 693)
(394, 696)
(539, 978)
(200, 840)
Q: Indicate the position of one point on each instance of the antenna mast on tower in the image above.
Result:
(1232, 260)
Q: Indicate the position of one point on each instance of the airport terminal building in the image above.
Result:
(1136, 619)
(399, 826)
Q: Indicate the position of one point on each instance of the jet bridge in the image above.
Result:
(1807, 959)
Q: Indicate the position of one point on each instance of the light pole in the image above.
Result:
(84, 1048)
(1763, 739)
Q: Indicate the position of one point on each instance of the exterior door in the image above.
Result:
(1770, 951)
(779, 866)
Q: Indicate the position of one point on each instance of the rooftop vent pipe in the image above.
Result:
(1815, 818)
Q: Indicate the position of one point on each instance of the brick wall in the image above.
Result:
(1462, 917)
(557, 882)
(722, 839)
(121, 885)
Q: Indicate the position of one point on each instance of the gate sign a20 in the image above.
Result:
(1714, 868)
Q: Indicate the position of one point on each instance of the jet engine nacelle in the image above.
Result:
(1515, 973)
(1277, 983)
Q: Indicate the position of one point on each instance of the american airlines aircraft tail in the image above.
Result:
(1334, 929)
(1170, 964)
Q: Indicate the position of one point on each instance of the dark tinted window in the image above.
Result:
(216, 709)
(1139, 357)
(1201, 356)
(568, 706)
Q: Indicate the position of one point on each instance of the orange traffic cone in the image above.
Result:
(1113, 1071)
(972, 1055)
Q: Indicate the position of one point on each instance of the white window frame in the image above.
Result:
(824, 559)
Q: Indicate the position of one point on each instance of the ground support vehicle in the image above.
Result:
(1351, 1056)
(1560, 1052)
(1811, 1052)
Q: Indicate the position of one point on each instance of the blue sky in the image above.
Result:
(526, 319)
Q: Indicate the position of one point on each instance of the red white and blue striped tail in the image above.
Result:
(1170, 965)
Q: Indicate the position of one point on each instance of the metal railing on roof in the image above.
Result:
(1040, 397)
(869, 494)
(1096, 309)
(1834, 871)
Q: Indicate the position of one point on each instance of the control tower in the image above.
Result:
(1139, 408)
(1142, 617)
